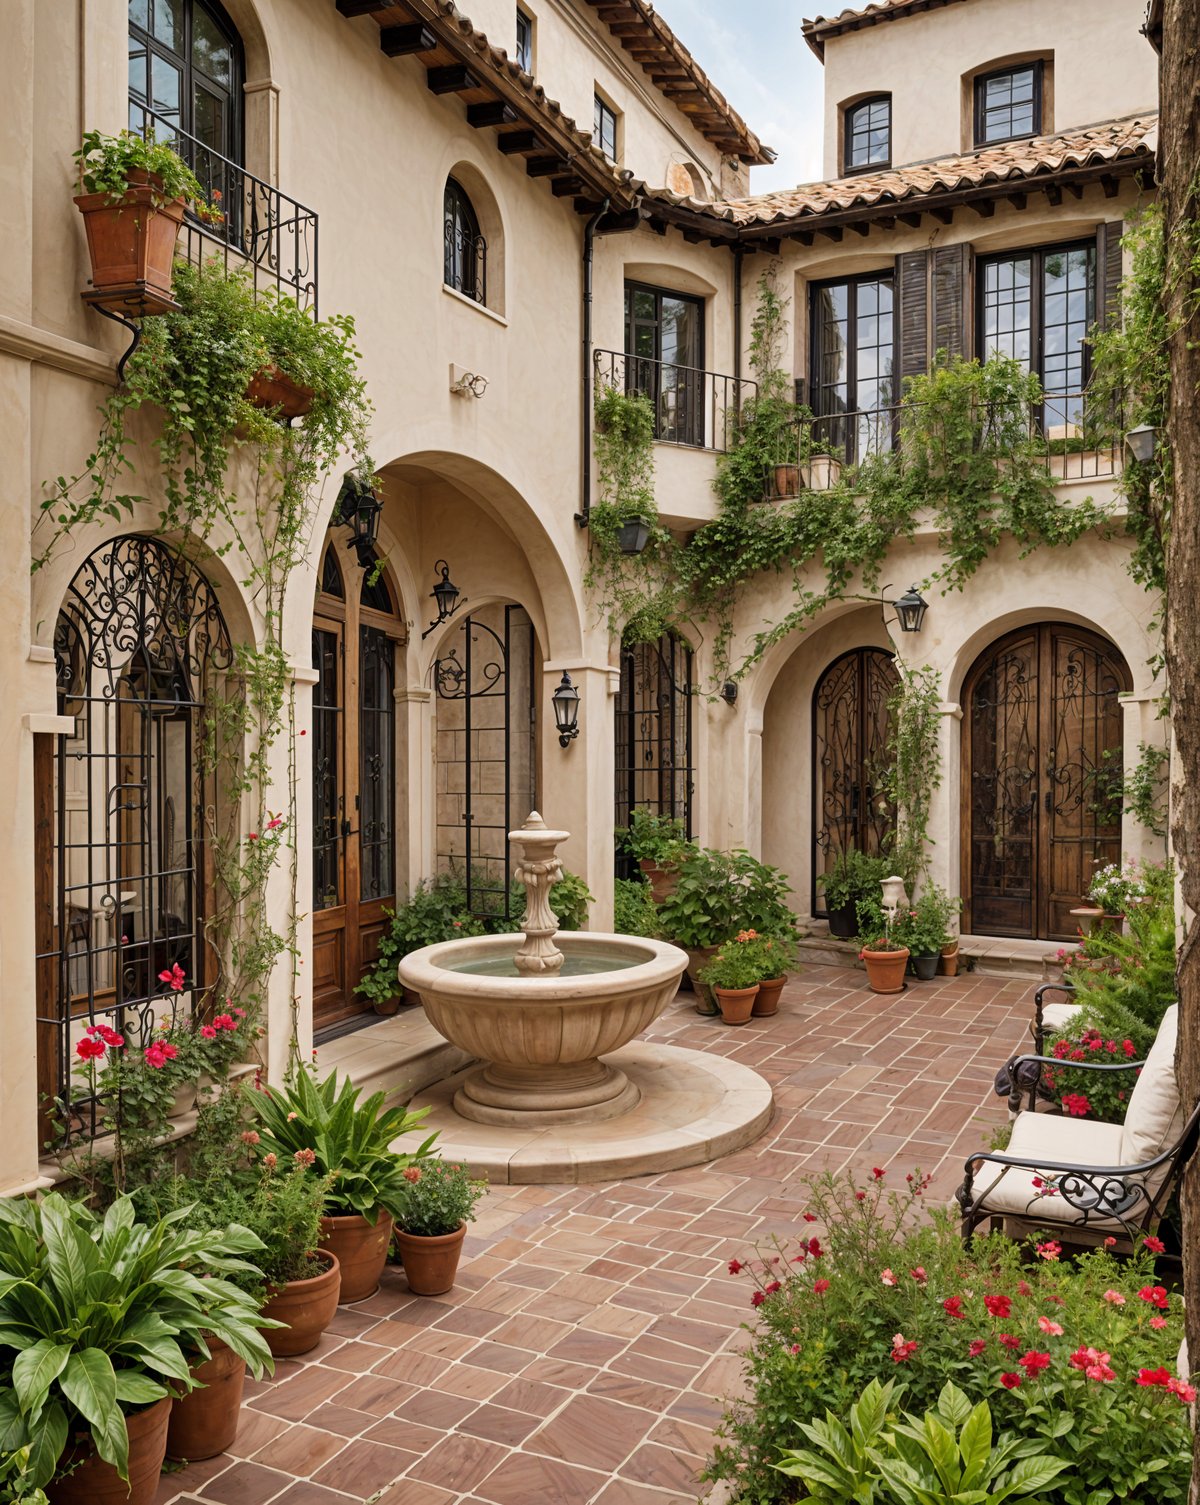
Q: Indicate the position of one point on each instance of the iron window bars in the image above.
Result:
(464, 261)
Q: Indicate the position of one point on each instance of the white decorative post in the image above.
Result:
(539, 869)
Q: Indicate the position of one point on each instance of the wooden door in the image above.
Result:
(356, 634)
(1042, 764)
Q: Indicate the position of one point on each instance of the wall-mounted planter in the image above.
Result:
(785, 482)
(132, 242)
(275, 391)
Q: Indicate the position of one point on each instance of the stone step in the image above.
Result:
(400, 1055)
(988, 955)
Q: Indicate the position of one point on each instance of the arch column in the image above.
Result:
(1140, 723)
(417, 797)
(290, 990)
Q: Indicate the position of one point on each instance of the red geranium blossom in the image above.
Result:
(1033, 1362)
(1155, 1245)
(952, 1306)
(90, 1049)
(820, 1287)
(735, 1265)
(998, 1306)
(976, 1347)
(1010, 1381)
(1156, 1296)
(901, 1350)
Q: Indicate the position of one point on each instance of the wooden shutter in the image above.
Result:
(951, 284)
(912, 315)
(1109, 272)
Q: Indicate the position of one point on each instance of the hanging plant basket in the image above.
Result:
(274, 391)
(132, 242)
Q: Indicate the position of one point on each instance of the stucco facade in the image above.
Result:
(492, 486)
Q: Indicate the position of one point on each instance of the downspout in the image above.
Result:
(583, 516)
(738, 254)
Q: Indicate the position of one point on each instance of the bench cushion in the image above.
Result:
(1154, 1118)
(1056, 1016)
(1068, 1141)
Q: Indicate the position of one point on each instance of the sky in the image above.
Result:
(753, 51)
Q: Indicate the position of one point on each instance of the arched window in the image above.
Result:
(464, 265)
(185, 74)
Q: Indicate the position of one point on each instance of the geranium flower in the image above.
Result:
(412, 1175)
(109, 1036)
(1093, 1363)
(1009, 1340)
(772, 1287)
(810, 1217)
(877, 1173)
(820, 1287)
(757, 1299)
(89, 1048)
(208, 1032)
(887, 1278)
(224, 1021)
(1114, 1298)
(174, 978)
(155, 1056)
(860, 1196)
(918, 1274)
(1156, 1296)
(735, 1265)
(976, 1347)
(952, 1306)
(814, 1248)
(1158, 1322)
(1186, 1393)
(1051, 1329)
(249, 1136)
(270, 1160)
(1050, 1250)
(1023, 1289)
(1010, 1381)
(902, 1351)
(1033, 1362)
(1149, 1377)
(998, 1306)
(1155, 1245)
(304, 1157)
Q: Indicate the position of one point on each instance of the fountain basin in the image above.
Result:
(541, 1037)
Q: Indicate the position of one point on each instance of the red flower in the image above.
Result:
(1023, 1289)
(772, 1288)
(877, 1173)
(1010, 1381)
(820, 1287)
(1156, 1296)
(109, 1036)
(89, 1048)
(154, 1055)
(1009, 1341)
(814, 1248)
(208, 1032)
(1186, 1393)
(1150, 1377)
(1093, 1363)
(224, 1021)
(1155, 1245)
(174, 978)
(757, 1299)
(412, 1174)
(809, 1217)
(901, 1350)
(1033, 1362)
(735, 1265)
(952, 1306)
(1049, 1250)
(860, 1196)
(976, 1347)
(918, 1274)
(998, 1306)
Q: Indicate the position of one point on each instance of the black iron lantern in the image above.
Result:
(566, 710)
(445, 593)
(359, 509)
(634, 535)
(910, 609)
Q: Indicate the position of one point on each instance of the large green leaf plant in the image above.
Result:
(99, 1315)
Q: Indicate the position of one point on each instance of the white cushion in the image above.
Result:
(1056, 1016)
(1067, 1141)
(1154, 1118)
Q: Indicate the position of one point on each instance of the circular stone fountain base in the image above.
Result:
(693, 1108)
(583, 1092)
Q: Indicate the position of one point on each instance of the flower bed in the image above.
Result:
(1076, 1356)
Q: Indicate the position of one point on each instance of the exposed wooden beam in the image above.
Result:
(1075, 189)
(984, 208)
(400, 41)
(513, 142)
(545, 167)
(626, 219)
(913, 221)
(587, 206)
(1017, 200)
(565, 188)
(770, 247)
(834, 232)
(351, 8)
(1053, 194)
(860, 227)
(494, 112)
(1109, 184)
(452, 80)
(943, 215)
(805, 237)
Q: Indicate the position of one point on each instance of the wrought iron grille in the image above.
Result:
(139, 643)
(486, 754)
(377, 763)
(693, 407)
(851, 759)
(328, 811)
(654, 752)
(261, 226)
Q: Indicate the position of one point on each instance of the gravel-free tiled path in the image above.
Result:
(583, 1356)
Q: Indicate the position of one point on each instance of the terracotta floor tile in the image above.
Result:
(592, 1431)
(626, 1492)
(301, 1450)
(362, 1468)
(434, 1408)
(525, 1477)
(313, 1494)
(245, 1484)
(410, 1437)
(377, 1394)
(297, 1396)
(459, 1462)
(532, 1396)
(499, 1424)
(332, 1417)
(415, 1492)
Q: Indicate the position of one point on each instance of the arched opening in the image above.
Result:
(464, 257)
(852, 729)
(123, 871)
(655, 761)
(186, 70)
(1041, 778)
(356, 637)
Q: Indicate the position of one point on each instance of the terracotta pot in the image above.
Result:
(767, 1002)
(699, 958)
(184, 1100)
(737, 1004)
(204, 1422)
(272, 388)
(360, 1249)
(307, 1306)
(663, 881)
(785, 479)
(843, 921)
(885, 969)
(430, 1261)
(91, 1481)
(926, 967)
(132, 242)
(948, 961)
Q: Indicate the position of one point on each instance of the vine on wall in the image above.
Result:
(915, 773)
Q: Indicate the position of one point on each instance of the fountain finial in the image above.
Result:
(539, 869)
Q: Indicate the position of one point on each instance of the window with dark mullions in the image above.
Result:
(606, 129)
(852, 387)
(1008, 104)
(464, 266)
(524, 41)
(868, 134)
(185, 66)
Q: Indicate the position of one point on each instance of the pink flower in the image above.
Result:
(1155, 1245)
(1186, 1393)
(1010, 1341)
(1158, 1322)
(1010, 1381)
(249, 1136)
(1051, 1329)
(1033, 1362)
(976, 1347)
(208, 1032)
(1156, 1296)
(1023, 1289)
(1093, 1363)
(998, 1306)
(1114, 1298)
(154, 1056)
(918, 1274)
(274, 823)
(292, 1117)
(174, 978)
(241, 1013)
(1050, 1250)
(887, 1278)
(109, 1036)
(820, 1287)
(735, 1265)
(304, 1157)
(270, 1161)
(253, 836)
(901, 1350)
(1110, 1242)
(412, 1175)
(952, 1306)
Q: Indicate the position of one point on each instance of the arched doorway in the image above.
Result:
(1041, 778)
(123, 869)
(357, 629)
(654, 750)
(851, 757)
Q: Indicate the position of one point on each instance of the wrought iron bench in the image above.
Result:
(1093, 1180)
(1049, 1018)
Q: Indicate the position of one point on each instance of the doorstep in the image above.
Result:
(987, 955)
(399, 1055)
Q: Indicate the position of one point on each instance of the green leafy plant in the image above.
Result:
(324, 1126)
(651, 837)
(634, 911)
(739, 964)
(720, 893)
(106, 164)
(842, 1465)
(97, 1315)
(1145, 788)
(569, 899)
(439, 1197)
(924, 928)
(1116, 886)
(1091, 1094)
(435, 911)
(915, 770)
(16, 1483)
(853, 876)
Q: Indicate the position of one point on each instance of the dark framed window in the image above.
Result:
(852, 388)
(606, 128)
(654, 735)
(868, 134)
(1037, 307)
(524, 40)
(664, 358)
(1008, 104)
(186, 67)
(464, 266)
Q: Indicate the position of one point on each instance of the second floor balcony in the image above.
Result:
(692, 407)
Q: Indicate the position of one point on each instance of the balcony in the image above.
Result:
(264, 229)
(692, 407)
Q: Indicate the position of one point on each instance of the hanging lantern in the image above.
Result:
(566, 710)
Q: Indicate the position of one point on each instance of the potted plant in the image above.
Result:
(431, 1222)
(853, 877)
(133, 195)
(884, 956)
(350, 1143)
(734, 975)
(922, 928)
(778, 956)
(100, 1317)
(1112, 890)
(658, 843)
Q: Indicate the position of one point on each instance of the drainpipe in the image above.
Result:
(589, 245)
(738, 254)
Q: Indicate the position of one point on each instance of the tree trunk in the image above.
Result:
(1178, 163)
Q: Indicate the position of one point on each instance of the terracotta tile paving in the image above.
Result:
(594, 1333)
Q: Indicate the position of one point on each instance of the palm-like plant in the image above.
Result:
(347, 1140)
(97, 1315)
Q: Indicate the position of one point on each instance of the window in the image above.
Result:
(1037, 307)
(606, 129)
(852, 348)
(664, 358)
(869, 134)
(464, 266)
(185, 70)
(525, 41)
(1008, 104)
(654, 734)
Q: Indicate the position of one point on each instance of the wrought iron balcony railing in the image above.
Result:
(691, 406)
(261, 226)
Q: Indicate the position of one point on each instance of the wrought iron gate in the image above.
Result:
(654, 753)
(486, 753)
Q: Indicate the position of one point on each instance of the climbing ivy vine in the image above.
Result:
(915, 771)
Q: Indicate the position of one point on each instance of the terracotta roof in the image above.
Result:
(648, 39)
(1007, 162)
(820, 28)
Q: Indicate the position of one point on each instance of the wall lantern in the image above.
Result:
(729, 692)
(445, 593)
(566, 711)
(634, 535)
(910, 609)
(359, 509)
(1142, 442)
